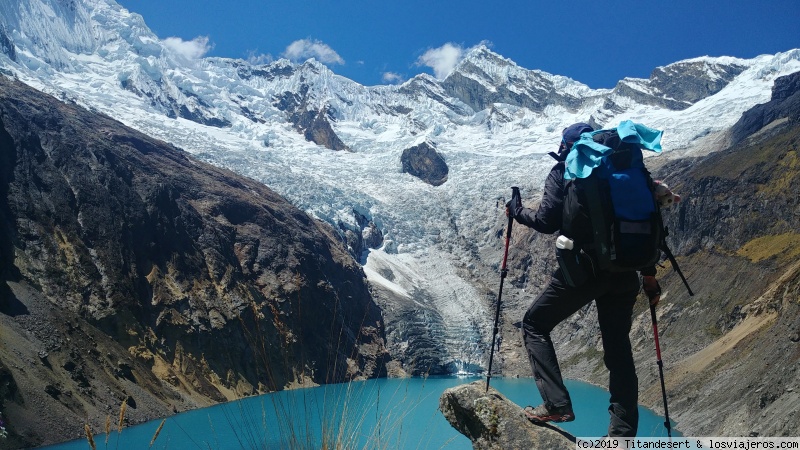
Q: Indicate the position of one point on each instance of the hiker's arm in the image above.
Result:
(650, 285)
(547, 218)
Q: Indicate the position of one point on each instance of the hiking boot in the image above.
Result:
(542, 414)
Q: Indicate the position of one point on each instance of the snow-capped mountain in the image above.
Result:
(333, 147)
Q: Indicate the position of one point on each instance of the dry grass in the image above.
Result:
(785, 247)
(122, 410)
(785, 177)
(120, 423)
(699, 361)
(89, 436)
(158, 430)
(340, 415)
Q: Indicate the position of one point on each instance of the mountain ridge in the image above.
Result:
(434, 270)
(276, 123)
(202, 286)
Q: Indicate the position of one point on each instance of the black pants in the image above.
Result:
(615, 295)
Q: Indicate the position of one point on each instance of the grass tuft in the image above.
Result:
(89, 436)
(785, 247)
(158, 430)
(122, 410)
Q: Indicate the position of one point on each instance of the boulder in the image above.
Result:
(425, 163)
(491, 421)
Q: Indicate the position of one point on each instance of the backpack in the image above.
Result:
(610, 215)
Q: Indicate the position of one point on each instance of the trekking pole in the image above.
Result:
(675, 266)
(660, 370)
(665, 248)
(515, 199)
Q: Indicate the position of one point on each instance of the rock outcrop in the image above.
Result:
(309, 118)
(362, 237)
(316, 127)
(425, 163)
(680, 85)
(493, 422)
(484, 78)
(209, 285)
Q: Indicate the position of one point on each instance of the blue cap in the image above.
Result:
(572, 133)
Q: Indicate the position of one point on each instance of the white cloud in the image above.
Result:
(442, 60)
(255, 58)
(194, 49)
(392, 78)
(303, 49)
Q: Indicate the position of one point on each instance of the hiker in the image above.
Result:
(614, 294)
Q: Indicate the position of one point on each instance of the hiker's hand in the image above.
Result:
(513, 207)
(652, 289)
(512, 210)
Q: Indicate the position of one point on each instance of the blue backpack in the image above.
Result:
(612, 214)
(610, 210)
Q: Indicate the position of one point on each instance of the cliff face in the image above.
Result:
(784, 105)
(731, 351)
(213, 284)
(734, 346)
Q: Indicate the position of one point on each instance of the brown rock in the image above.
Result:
(491, 421)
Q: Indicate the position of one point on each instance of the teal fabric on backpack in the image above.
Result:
(636, 133)
(586, 154)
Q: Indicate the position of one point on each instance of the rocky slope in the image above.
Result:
(731, 351)
(735, 344)
(131, 270)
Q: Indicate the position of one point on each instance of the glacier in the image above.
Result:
(491, 120)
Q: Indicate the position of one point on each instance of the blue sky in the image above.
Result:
(381, 42)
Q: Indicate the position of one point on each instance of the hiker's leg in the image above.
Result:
(614, 312)
(555, 304)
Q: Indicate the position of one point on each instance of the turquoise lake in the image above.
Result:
(374, 414)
